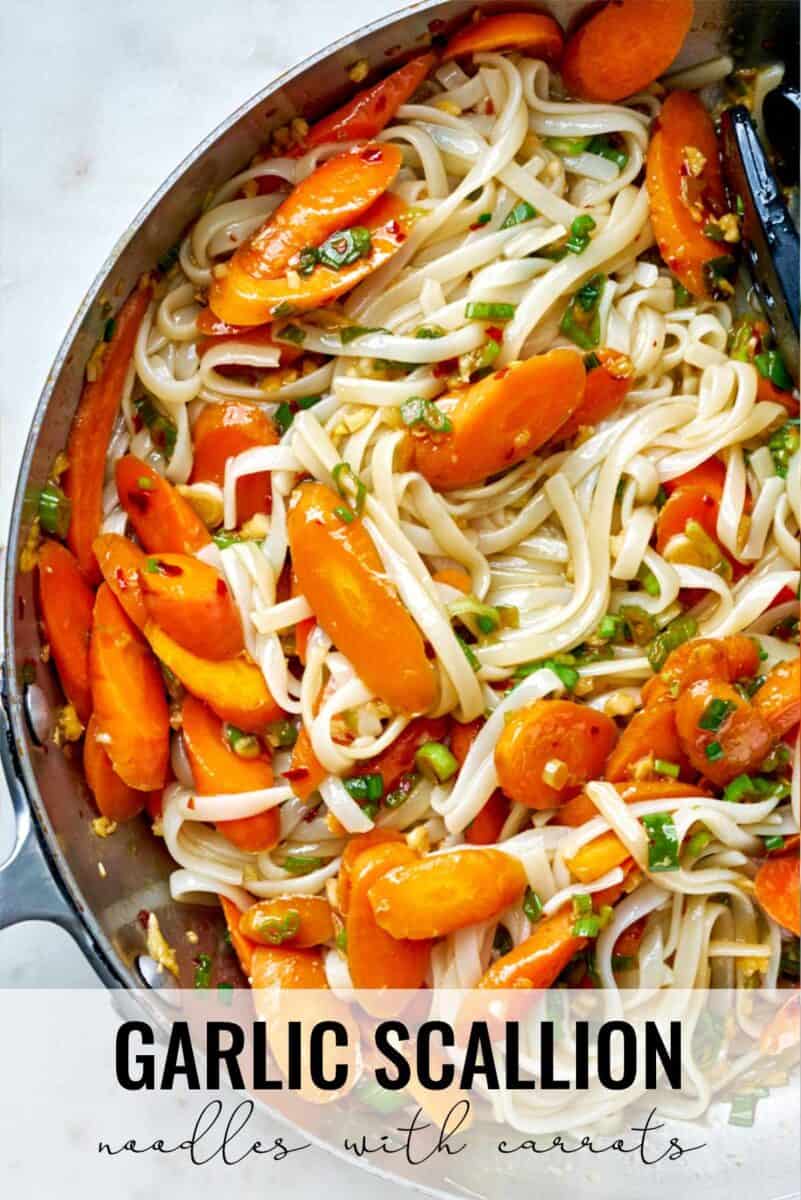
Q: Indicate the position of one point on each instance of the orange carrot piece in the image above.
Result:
(455, 577)
(398, 759)
(234, 688)
(624, 47)
(162, 519)
(501, 420)
(299, 921)
(305, 773)
(370, 110)
(90, 433)
(581, 809)
(628, 944)
(121, 563)
(778, 700)
(252, 298)
(191, 602)
(221, 432)
(606, 388)
(375, 958)
(341, 575)
(650, 734)
(243, 946)
(531, 33)
(357, 845)
(683, 203)
(710, 476)
(274, 966)
(113, 797)
(485, 828)
(738, 745)
(463, 736)
(67, 602)
(777, 890)
(767, 390)
(729, 659)
(552, 731)
(130, 708)
(217, 768)
(597, 857)
(687, 504)
(445, 892)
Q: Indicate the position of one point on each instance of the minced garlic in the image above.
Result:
(449, 106)
(94, 366)
(192, 937)
(205, 499)
(68, 727)
(555, 773)
(358, 72)
(29, 555)
(620, 704)
(418, 839)
(103, 827)
(256, 528)
(335, 825)
(101, 870)
(159, 948)
(729, 226)
(694, 160)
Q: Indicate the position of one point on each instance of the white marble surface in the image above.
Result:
(99, 102)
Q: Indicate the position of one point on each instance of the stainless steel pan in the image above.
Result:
(52, 873)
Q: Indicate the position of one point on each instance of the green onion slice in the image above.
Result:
(418, 411)
(55, 510)
(436, 761)
(663, 842)
(350, 486)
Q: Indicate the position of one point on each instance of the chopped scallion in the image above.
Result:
(663, 767)
(365, 787)
(486, 310)
(349, 486)
(715, 713)
(436, 761)
(418, 411)
(663, 842)
(582, 321)
(55, 510)
(521, 212)
(532, 905)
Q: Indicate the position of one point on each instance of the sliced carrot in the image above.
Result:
(191, 602)
(233, 688)
(777, 890)
(531, 33)
(370, 110)
(581, 809)
(572, 739)
(218, 333)
(216, 768)
(243, 946)
(130, 709)
(299, 921)
(767, 390)
(162, 519)
(628, 944)
(121, 563)
(113, 797)
(446, 892)
(649, 735)
(463, 736)
(287, 968)
(501, 420)
(778, 700)
(67, 602)
(375, 958)
(710, 476)
(252, 298)
(454, 577)
(342, 577)
(357, 845)
(598, 857)
(729, 659)
(221, 432)
(740, 740)
(485, 828)
(685, 191)
(305, 772)
(91, 432)
(398, 758)
(687, 504)
(623, 47)
(606, 388)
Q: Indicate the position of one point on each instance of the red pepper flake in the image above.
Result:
(489, 108)
(296, 773)
(143, 917)
(121, 579)
(140, 501)
(222, 589)
(20, 608)
(372, 154)
(447, 367)
(495, 332)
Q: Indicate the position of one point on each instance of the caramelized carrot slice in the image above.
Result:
(162, 519)
(398, 759)
(501, 420)
(624, 47)
(370, 110)
(777, 890)
(463, 736)
(687, 504)
(729, 659)
(779, 698)
(251, 298)
(287, 968)
(91, 432)
(299, 921)
(581, 808)
(734, 738)
(67, 602)
(685, 188)
(767, 390)
(375, 958)
(597, 857)
(454, 577)
(191, 602)
(710, 476)
(356, 847)
(243, 946)
(485, 828)
(550, 749)
(216, 768)
(445, 892)
(130, 708)
(343, 579)
(628, 944)
(233, 688)
(532, 33)
(113, 798)
(606, 388)
(305, 773)
(121, 562)
(650, 734)
(221, 432)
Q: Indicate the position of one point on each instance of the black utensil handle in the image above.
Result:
(770, 239)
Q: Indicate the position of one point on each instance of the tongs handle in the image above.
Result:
(770, 239)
